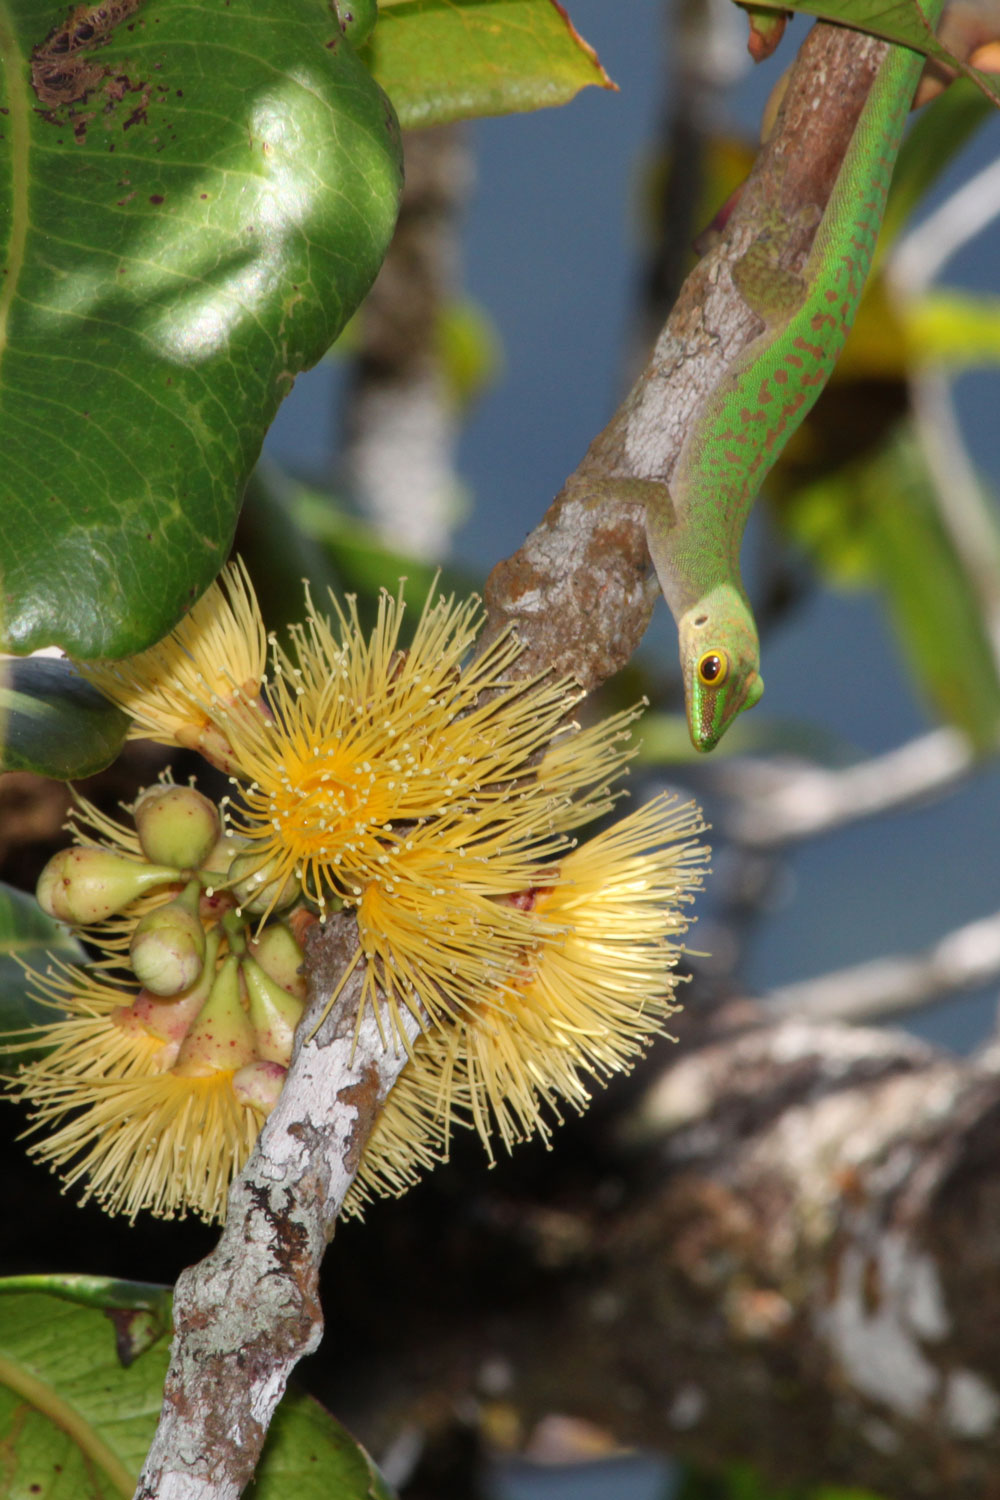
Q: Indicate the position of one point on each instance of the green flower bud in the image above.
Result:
(221, 1036)
(280, 956)
(254, 892)
(169, 1020)
(222, 854)
(259, 1084)
(176, 825)
(167, 950)
(274, 1014)
(83, 885)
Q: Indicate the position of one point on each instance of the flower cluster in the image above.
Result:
(434, 794)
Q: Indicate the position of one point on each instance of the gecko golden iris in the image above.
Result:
(695, 529)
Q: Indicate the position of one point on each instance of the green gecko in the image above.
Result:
(695, 531)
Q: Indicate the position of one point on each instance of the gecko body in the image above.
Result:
(696, 531)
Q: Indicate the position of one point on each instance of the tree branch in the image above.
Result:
(964, 959)
(576, 592)
(776, 803)
(577, 595)
(788, 1259)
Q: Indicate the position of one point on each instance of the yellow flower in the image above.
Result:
(166, 1143)
(90, 1037)
(215, 656)
(591, 990)
(435, 795)
(371, 753)
(112, 1111)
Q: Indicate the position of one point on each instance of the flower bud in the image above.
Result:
(176, 825)
(280, 956)
(167, 950)
(221, 1036)
(83, 884)
(249, 883)
(274, 1014)
(168, 1020)
(259, 1084)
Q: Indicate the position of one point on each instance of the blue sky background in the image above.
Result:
(551, 254)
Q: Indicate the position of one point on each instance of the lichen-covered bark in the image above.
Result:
(247, 1314)
(799, 1270)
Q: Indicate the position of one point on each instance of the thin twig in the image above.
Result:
(776, 804)
(963, 960)
(923, 253)
(246, 1314)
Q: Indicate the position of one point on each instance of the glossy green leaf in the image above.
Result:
(444, 60)
(75, 1423)
(54, 723)
(895, 20)
(878, 522)
(27, 937)
(195, 195)
(309, 1455)
(140, 1311)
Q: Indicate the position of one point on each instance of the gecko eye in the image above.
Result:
(713, 668)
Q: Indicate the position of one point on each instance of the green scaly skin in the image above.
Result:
(695, 533)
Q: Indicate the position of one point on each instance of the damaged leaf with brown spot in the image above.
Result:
(194, 198)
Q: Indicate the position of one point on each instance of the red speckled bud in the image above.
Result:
(168, 949)
(253, 888)
(280, 956)
(221, 1037)
(259, 1084)
(176, 825)
(274, 1014)
(83, 885)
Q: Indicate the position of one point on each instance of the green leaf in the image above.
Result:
(28, 935)
(195, 195)
(75, 1423)
(878, 521)
(897, 21)
(309, 1455)
(360, 558)
(140, 1311)
(54, 723)
(444, 60)
(952, 330)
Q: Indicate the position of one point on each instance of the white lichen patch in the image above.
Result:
(878, 1336)
(971, 1405)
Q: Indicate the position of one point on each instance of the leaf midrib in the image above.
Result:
(76, 1427)
(15, 68)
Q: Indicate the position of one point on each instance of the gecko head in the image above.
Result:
(720, 657)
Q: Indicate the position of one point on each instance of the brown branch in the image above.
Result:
(576, 591)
